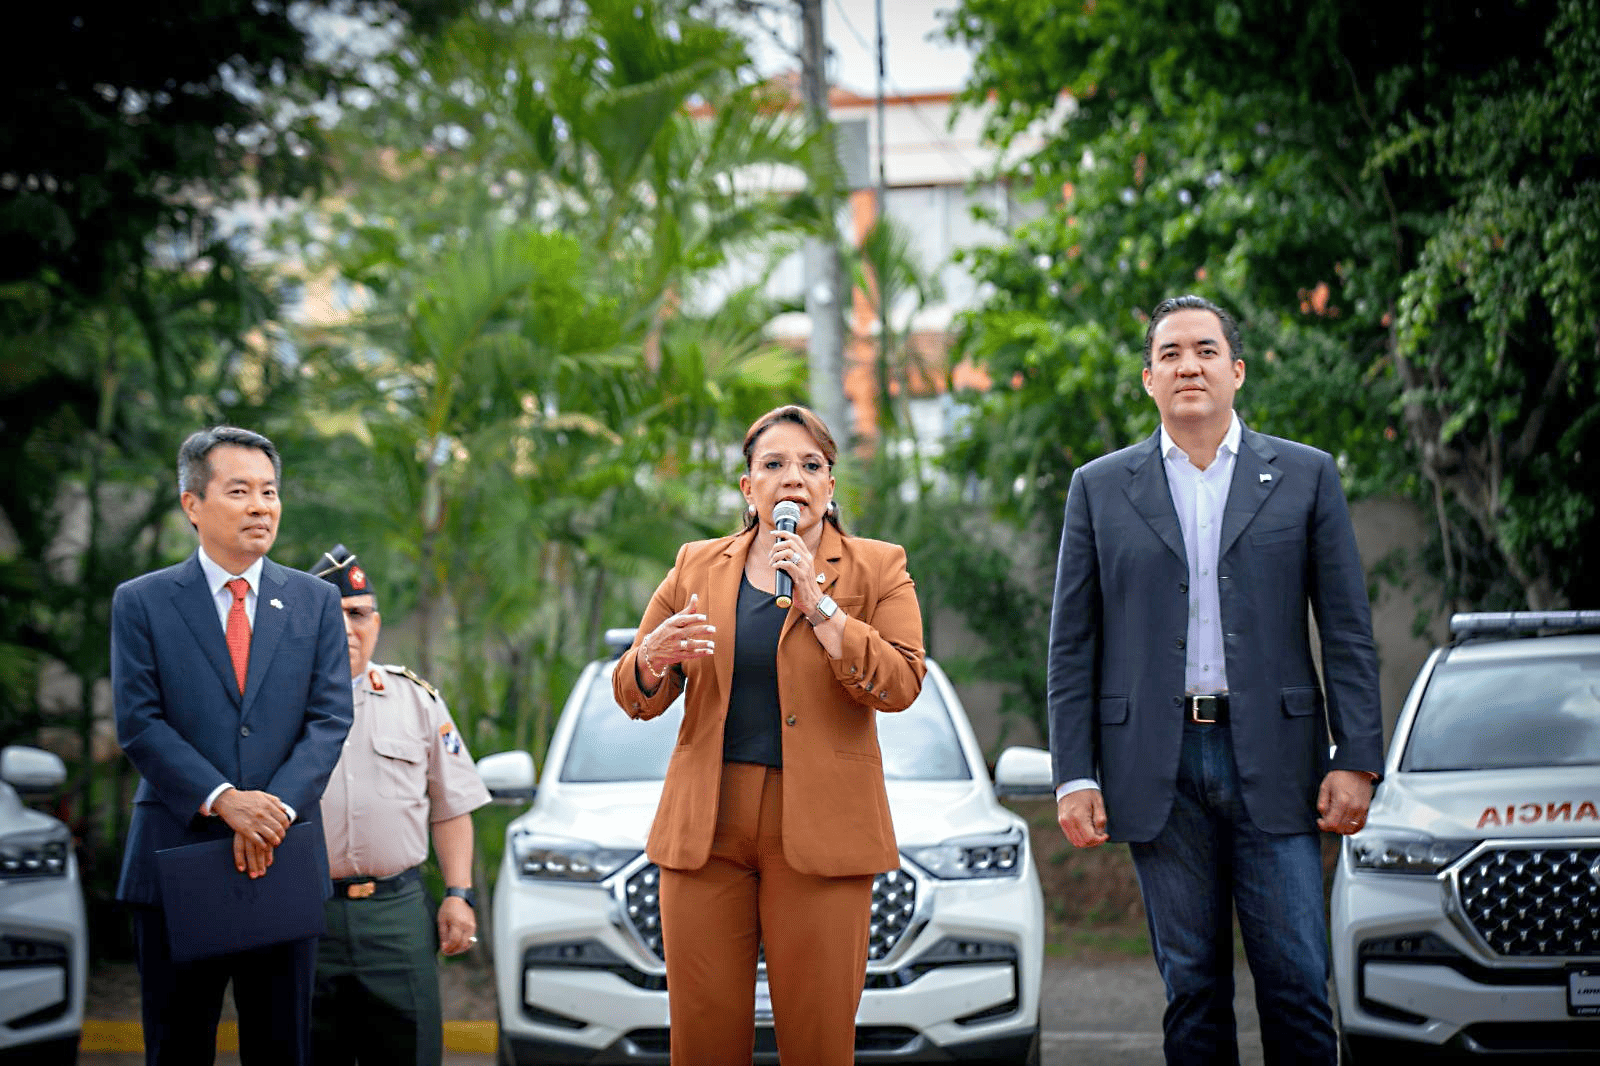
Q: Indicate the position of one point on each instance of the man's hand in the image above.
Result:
(457, 925)
(1343, 800)
(1082, 815)
(258, 821)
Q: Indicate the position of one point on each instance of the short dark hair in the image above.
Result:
(1230, 328)
(194, 455)
(807, 419)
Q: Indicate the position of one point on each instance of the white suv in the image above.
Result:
(1466, 915)
(43, 944)
(956, 949)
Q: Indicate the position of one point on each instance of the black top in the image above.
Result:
(751, 732)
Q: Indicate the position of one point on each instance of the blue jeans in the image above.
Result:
(1207, 861)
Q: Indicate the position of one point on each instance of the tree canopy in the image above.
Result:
(1398, 201)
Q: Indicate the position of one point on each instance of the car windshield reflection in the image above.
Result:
(1499, 715)
(918, 744)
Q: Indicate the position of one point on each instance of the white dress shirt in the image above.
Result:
(217, 581)
(1199, 497)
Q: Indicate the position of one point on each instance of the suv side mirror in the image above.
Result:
(510, 776)
(31, 770)
(1024, 773)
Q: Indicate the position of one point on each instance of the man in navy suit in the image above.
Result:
(230, 679)
(1186, 713)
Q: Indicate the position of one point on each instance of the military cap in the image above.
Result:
(339, 566)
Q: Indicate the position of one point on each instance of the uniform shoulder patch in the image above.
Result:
(407, 672)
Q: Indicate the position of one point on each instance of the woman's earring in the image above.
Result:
(751, 509)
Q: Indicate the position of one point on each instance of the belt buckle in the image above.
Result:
(361, 891)
(1196, 703)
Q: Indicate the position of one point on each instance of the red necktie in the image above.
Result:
(239, 631)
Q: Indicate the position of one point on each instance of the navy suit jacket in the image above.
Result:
(186, 728)
(1120, 619)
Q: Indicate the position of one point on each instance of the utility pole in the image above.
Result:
(824, 269)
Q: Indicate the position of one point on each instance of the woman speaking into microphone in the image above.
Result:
(773, 818)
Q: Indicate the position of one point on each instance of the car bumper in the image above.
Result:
(43, 963)
(962, 985)
(1410, 980)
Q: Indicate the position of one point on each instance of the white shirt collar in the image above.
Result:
(1230, 439)
(216, 576)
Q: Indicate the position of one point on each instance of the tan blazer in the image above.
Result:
(836, 813)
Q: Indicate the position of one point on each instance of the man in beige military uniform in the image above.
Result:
(404, 769)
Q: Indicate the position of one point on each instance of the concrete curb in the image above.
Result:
(483, 1037)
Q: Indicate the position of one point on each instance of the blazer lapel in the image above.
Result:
(267, 629)
(722, 602)
(192, 599)
(1254, 479)
(1148, 492)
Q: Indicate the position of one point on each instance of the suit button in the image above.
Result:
(1183, 586)
(1177, 701)
(789, 720)
(1181, 642)
(244, 731)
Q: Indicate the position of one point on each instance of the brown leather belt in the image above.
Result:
(367, 887)
(1206, 710)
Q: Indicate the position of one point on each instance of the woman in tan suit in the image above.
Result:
(773, 819)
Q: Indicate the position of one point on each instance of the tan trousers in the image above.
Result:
(715, 919)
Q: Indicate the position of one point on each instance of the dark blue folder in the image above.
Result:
(213, 909)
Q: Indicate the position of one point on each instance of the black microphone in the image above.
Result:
(786, 516)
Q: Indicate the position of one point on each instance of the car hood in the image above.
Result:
(1479, 804)
(930, 812)
(18, 817)
(618, 814)
(612, 815)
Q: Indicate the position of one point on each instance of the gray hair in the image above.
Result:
(194, 456)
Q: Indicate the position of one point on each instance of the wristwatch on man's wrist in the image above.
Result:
(826, 608)
(463, 893)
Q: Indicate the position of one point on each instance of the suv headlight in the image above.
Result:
(989, 855)
(35, 854)
(551, 858)
(1393, 852)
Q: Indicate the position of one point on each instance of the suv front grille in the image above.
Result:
(1534, 902)
(894, 902)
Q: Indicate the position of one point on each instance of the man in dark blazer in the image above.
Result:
(231, 683)
(1186, 713)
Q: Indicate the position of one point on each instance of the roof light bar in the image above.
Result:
(1485, 622)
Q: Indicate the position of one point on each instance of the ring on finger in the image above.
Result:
(683, 645)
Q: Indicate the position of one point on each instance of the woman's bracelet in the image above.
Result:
(648, 665)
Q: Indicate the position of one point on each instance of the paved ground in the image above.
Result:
(1095, 1014)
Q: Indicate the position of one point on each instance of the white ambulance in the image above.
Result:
(1466, 915)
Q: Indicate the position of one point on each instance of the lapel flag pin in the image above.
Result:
(276, 603)
(1266, 477)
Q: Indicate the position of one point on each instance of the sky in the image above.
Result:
(916, 64)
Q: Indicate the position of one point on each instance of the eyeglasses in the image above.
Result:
(360, 615)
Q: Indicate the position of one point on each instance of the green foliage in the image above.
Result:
(1402, 220)
(533, 212)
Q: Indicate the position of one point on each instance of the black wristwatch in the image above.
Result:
(463, 893)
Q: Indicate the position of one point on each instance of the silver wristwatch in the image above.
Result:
(826, 608)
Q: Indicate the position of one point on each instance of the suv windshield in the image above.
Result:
(1541, 711)
(918, 744)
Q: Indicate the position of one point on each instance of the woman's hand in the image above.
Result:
(790, 554)
(679, 638)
